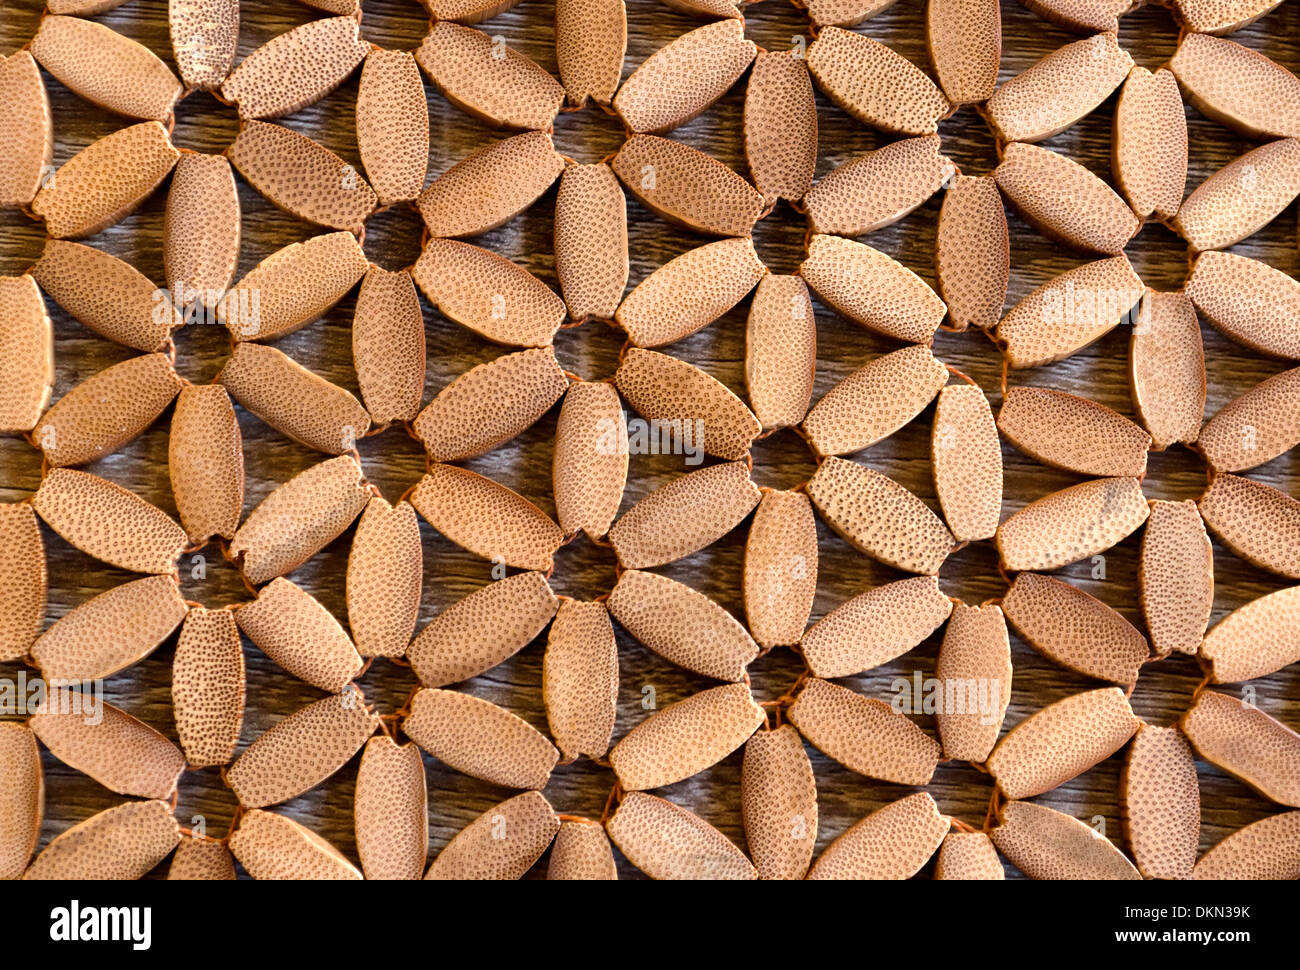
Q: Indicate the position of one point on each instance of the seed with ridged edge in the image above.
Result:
(665, 841)
(591, 258)
(581, 849)
(780, 351)
(26, 129)
(1259, 523)
(879, 188)
(968, 855)
(1256, 427)
(393, 125)
(1062, 741)
(1248, 301)
(291, 627)
(502, 843)
(591, 455)
(482, 630)
(1255, 640)
(22, 799)
(1242, 197)
(682, 625)
(271, 846)
(590, 43)
(208, 686)
(385, 572)
(976, 651)
(964, 38)
(875, 84)
(204, 35)
(1238, 87)
(199, 859)
(972, 252)
(893, 842)
(24, 583)
(778, 803)
(1176, 577)
(843, 13)
(201, 231)
(1072, 524)
(205, 460)
(388, 345)
(780, 578)
(467, 11)
(1220, 16)
(1167, 369)
(296, 68)
(1161, 803)
(123, 842)
(1245, 742)
(1267, 849)
(1073, 433)
(1047, 844)
(391, 810)
(580, 679)
(1082, 16)
(707, 9)
(966, 460)
(26, 354)
(1150, 143)
(781, 126)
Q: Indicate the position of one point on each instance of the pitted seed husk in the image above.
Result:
(591, 259)
(384, 579)
(879, 188)
(1267, 849)
(778, 803)
(665, 841)
(1149, 143)
(22, 799)
(844, 13)
(205, 460)
(1046, 844)
(344, 8)
(780, 351)
(479, 852)
(780, 578)
(467, 11)
(291, 627)
(707, 9)
(1238, 737)
(894, 842)
(26, 354)
(204, 35)
(976, 650)
(1082, 16)
(781, 126)
(1073, 433)
(1072, 524)
(393, 125)
(1167, 369)
(201, 860)
(1220, 16)
(1248, 301)
(208, 686)
(1242, 197)
(968, 855)
(580, 680)
(391, 810)
(26, 129)
(296, 68)
(1255, 640)
(24, 583)
(1256, 427)
(388, 349)
(1238, 87)
(591, 456)
(972, 252)
(966, 459)
(271, 846)
(123, 842)
(1160, 801)
(1176, 577)
(201, 231)
(590, 43)
(1259, 523)
(582, 849)
(964, 38)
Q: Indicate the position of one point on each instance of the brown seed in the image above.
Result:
(385, 572)
(1255, 640)
(388, 345)
(964, 38)
(591, 258)
(844, 13)
(1167, 369)
(1248, 301)
(204, 34)
(1257, 522)
(968, 855)
(348, 8)
(872, 289)
(502, 843)
(1082, 16)
(1245, 742)
(393, 125)
(1047, 844)
(482, 630)
(296, 68)
(972, 252)
(22, 799)
(201, 232)
(467, 11)
(478, 738)
(1073, 433)
(1220, 16)
(778, 802)
(665, 841)
(682, 625)
(199, 859)
(708, 9)
(1176, 577)
(875, 627)
(26, 354)
(689, 292)
(1161, 803)
(205, 459)
(1267, 849)
(1072, 524)
(685, 738)
(879, 517)
(270, 846)
(1256, 427)
(879, 188)
(781, 126)
(864, 734)
(26, 128)
(780, 568)
(1242, 197)
(590, 43)
(974, 659)
(894, 842)
(780, 351)
(875, 84)
(591, 454)
(123, 842)
(966, 458)
(1149, 148)
(105, 181)
(684, 78)
(391, 809)
(1061, 741)
(580, 680)
(581, 849)
(23, 581)
(292, 628)
(208, 686)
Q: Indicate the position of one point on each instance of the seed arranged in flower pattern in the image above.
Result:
(391, 809)
(780, 580)
(271, 846)
(384, 580)
(296, 68)
(591, 255)
(208, 686)
(1238, 737)
(1259, 523)
(26, 129)
(1248, 301)
(24, 582)
(1150, 143)
(1082, 16)
(123, 842)
(1259, 638)
(393, 125)
(966, 461)
(1242, 197)
(1256, 427)
(1167, 369)
(291, 627)
(976, 650)
(781, 126)
(968, 855)
(22, 800)
(201, 859)
(581, 849)
(1176, 577)
(580, 679)
(1161, 803)
(201, 231)
(591, 458)
(1046, 844)
(205, 461)
(964, 38)
(477, 851)
(879, 188)
(1072, 524)
(893, 842)
(590, 43)
(778, 803)
(1073, 433)
(665, 841)
(204, 35)
(26, 354)
(1267, 849)
(388, 349)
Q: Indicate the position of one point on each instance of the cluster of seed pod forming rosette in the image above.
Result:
(1246, 300)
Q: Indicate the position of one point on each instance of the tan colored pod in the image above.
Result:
(879, 517)
(205, 459)
(291, 627)
(1072, 524)
(208, 686)
(780, 351)
(1245, 742)
(482, 630)
(580, 679)
(1062, 741)
(26, 128)
(123, 842)
(591, 456)
(1241, 198)
(1248, 301)
(590, 43)
(486, 518)
(1176, 577)
(781, 126)
(491, 403)
(488, 294)
(1220, 16)
(296, 68)
(22, 799)
(893, 842)
(109, 522)
(875, 627)
(271, 846)
(1259, 523)
(964, 38)
(591, 257)
(966, 460)
(391, 810)
(1082, 16)
(201, 860)
(106, 68)
(876, 84)
(689, 292)
(496, 84)
(393, 125)
(201, 231)
(388, 345)
(105, 181)
(872, 289)
(707, 9)
(780, 578)
(1238, 87)
(502, 843)
(490, 187)
(111, 631)
(300, 518)
(385, 575)
(682, 625)
(844, 13)
(879, 188)
(685, 77)
(204, 34)
(972, 252)
(778, 803)
(968, 855)
(1149, 144)
(466, 11)
(1167, 369)
(688, 187)
(26, 354)
(1161, 803)
(581, 850)
(1073, 433)
(1267, 849)
(478, 738)
(1256, 427)
(1255, 640)
(1046, 844)
(24, 583)
(665, 841)
(1059, 89)
(300, 751)
(975, 669)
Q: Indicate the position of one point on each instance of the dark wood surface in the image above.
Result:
(394, 461)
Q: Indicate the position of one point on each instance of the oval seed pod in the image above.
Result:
(22, 799)
(1047, 844)
(685, 738)
(685, 77)
(26, 128)
(688, 187)
(1248, 301)
(111, 631)
(201, 231)
(271, 846)
(707, 9)
(1073, 433)
(205, 34)
(482, 630)
(872, 289)
(1245, 742)
(291, 627)
(689, 292)
(26, 354)
(105, 181)
(1220, 16)
(975, 670)
(1256, 427)
(393, 125)
(492, 186)
(844, 13)
(591, 454)
(781, 126)
(1267, 849)
(1149, 144)
(966, 460)
(1059, 89)
(1061, 741)
(665, 841)
(590, 43)
(24, 583)
(388, 345)
(972, 252)
(875, 627)
(478, 738)
(964, 38)
(502, 843)
(205, 460)
(780, 579)
(123, 842)
(581, 849)
(879, 188)
(778, 803)
(893, 842)
(968, 855)
(199, 859)
(879, 517)
(385, 573)
(109, 522)
(1255, 640)
(208, 686)
(1238, 87)
(875, 84)
(391, 810)
(1241, 198)
(1161, 803)
(780, 351)
(494, 83)
(1176, 577)
(491, 403)
(682, 625)
(488, 294)
(1082, 16)
(300, 518)
(580, 680)
(1167, 369)
(486, 518)
(1072, 524)
(591, 258)
(467, 11)
(1259, 523)
(106, 68)
(296, 68)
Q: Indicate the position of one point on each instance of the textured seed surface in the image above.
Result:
(26, 354)
(966, 460)
(385, 573)
(778, 803)
(198, 859)
(780, 579)
(1072, 524)
(1238, 87)
(292, 628)
(1167, 369)
(26, 128)
(964, 38)
(1259, 638)
(296, 68)
(270, 846)
(590, 42)
(391, 810)
(581, 849)
(204, 34)
(1047, 844)
(1161, 803)
(23, 580)
(1256, 427)
(1149, 144)
(208, 686)
(1248, 301)
(781, 126)
(123, 842)
(206, 462)
(591, 456)
(1073, 433)
(968, 855)
(580, 680)
(1220, 16)
(502, 843)
(467, 11)
(844, 13)
(879, 188)
(591, 256)
(972, 252)
(1061, 741)
(1245, 742)
(665, 841)
(864, 734)
(201, 230)
(22, 799)
(393, 125)
(891, 843)
(1241, 198)
(1176, 577)
(780, 351)
(1267, 849)
(976, 650)
(1082, 16)
(388, 345)
(1259, 523)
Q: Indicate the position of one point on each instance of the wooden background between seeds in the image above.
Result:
(394, 461)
